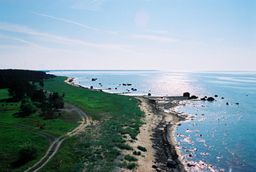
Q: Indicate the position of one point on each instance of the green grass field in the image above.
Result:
(96, 149)
(17, 132)
(101, 144)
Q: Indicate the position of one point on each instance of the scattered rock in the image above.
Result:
(193, 97)
(210, 99)
(171, 163)
(203, 99)
(133, 89)
(186, 94)
(216, 95)
(227, 103)
(222, 97)
(190, 165)
(154, 166)
(158, 170)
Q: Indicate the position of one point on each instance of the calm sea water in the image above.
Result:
(219, 134)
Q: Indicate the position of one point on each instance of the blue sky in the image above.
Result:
(128, 34)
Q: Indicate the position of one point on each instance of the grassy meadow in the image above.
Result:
(117, 117)
(17, 132)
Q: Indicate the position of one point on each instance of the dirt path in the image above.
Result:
(54, 147)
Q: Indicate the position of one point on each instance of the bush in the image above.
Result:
(124, 146)
(27, 108)
(130, 158)
(141, 148)
(131, 166)
(26, 153)
(136, 153)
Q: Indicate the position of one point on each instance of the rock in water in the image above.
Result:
(210, 99)
(193, 97)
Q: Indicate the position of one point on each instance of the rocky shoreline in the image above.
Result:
(166, 155)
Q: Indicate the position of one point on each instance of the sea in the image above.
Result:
(219, 134)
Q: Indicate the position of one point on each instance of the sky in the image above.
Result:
(176, 35)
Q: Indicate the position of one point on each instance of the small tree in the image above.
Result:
(26, 153)
(56, 100)
(27, 108)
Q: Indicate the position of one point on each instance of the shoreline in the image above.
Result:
(157, 135)
(167, 156)
(159, 131)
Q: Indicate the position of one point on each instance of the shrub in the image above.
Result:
(26, 153)
(130, 158)
(131, 166)
(141, 148)
(124, 146)
(27, 108)
(136, 153)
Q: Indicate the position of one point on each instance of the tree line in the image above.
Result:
(28, 87)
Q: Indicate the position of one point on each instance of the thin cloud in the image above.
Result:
(59, 39)
(149, 37)
(91, 5)
(75, 23)
(18, 40)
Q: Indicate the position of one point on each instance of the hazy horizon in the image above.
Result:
(176, 35)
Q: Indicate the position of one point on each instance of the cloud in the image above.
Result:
(91, 5)
(23, 41)
(150, 37)
(75, 23)
(159, 32)
(59, 39)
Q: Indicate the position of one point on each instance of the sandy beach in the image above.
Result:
(163, 142)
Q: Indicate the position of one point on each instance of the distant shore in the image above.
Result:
(157, 134)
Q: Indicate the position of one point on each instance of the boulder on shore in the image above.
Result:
(193, 97)
(186, 94)
(171, 163)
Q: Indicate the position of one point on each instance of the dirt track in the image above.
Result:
(55, 145)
